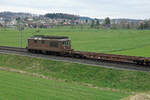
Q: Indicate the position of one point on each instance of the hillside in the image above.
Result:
(8, 14)
(13, 14)
(61, 16)
(49, 15)
(31, 78)
(87, 75)
(16, 86)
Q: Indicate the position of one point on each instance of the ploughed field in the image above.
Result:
(126, 42)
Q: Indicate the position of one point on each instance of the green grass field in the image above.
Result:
(129, 42)
(75, 77)
(69, 72)
(144, 51)
(15, 86)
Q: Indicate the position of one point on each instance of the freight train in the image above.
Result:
(61, 46)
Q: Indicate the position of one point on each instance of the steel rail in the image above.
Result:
(105, 64)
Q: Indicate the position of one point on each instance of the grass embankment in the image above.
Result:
(14, 86)
(96, 76)
(107, 41)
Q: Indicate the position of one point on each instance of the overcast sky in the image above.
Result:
(139, 9)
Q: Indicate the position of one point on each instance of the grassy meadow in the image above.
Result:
(66, 81)
(70, 81)
(128, 42)
(71, 72)
(14, 86)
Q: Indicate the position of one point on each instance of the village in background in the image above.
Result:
(51, 20)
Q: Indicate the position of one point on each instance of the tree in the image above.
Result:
(146, 26)
(97, 24)
(128, 26)
(86, 21)
(1, 25)
(61, 16)
(18, 19)
(141, 26)
(107, 22)
(92, 24)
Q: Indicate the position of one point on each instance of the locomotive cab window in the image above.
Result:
(53, 44)
(66, 43)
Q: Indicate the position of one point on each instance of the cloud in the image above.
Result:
(93, 8)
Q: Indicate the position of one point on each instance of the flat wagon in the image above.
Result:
(61, 45)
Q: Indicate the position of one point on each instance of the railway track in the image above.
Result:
(13, 49)
(114, 65)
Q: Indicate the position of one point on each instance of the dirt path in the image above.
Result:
(141, 96)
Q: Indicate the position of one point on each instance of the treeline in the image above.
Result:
(144, 25)
(13, 14)
(122, 24)
(61, 16)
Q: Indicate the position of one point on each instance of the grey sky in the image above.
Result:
(93, 8)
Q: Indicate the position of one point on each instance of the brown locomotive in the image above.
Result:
(60, 45)
(49, 44)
